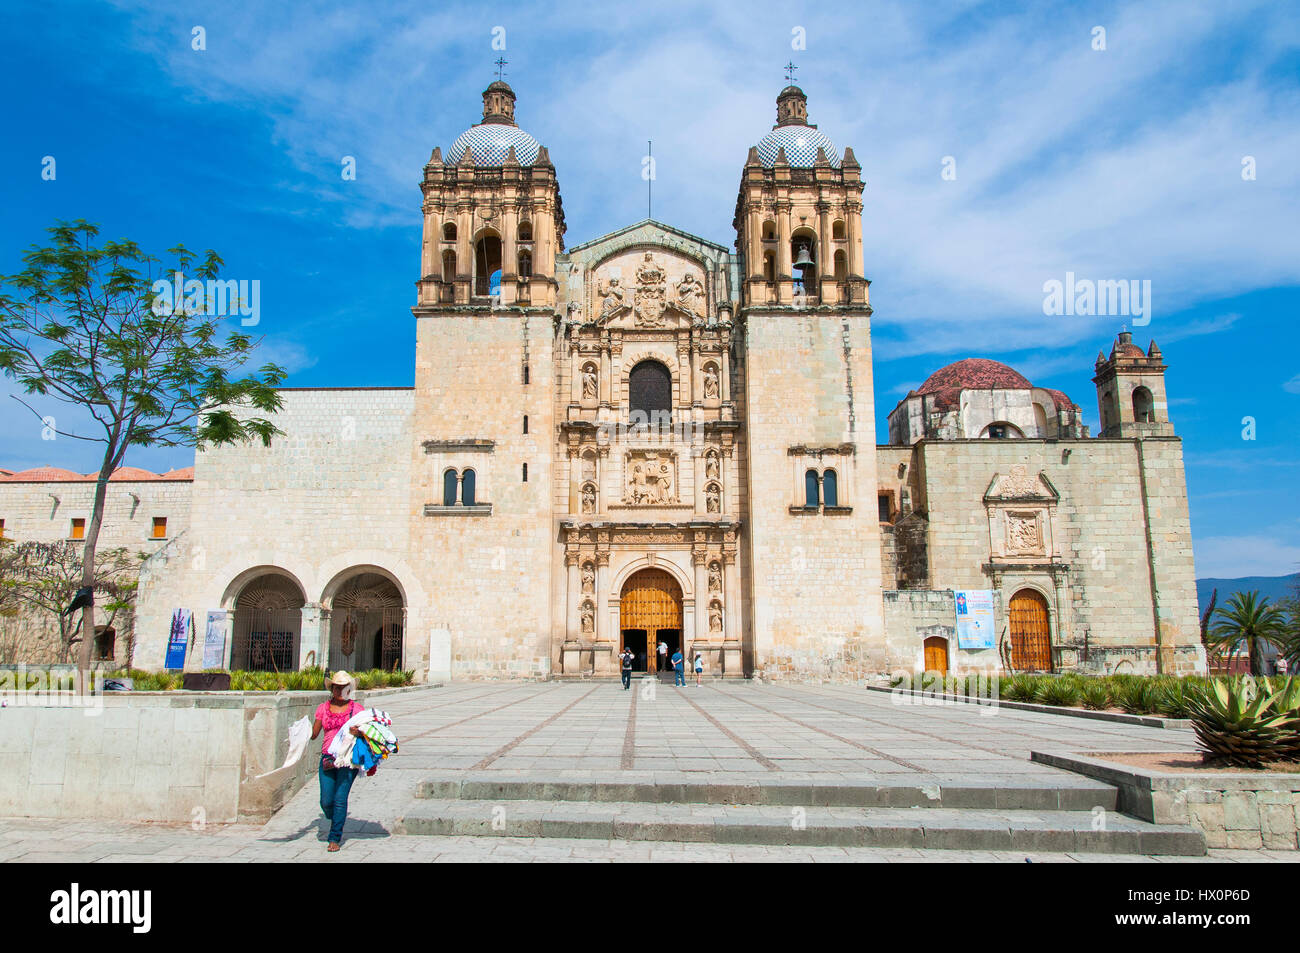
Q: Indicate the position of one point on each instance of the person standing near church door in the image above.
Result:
(663, 656)
(699, 667)
(679, 668)
(626, 657)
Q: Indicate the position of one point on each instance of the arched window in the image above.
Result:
(449, 232)
(1002, 431)
(811, 496)
(837, 230)
(1040, 419)
(769, 266)
(650, 394)
(467, 488)
(841, 266)
(525, 264)
(487, 265)
(525, 231)
(830, 489)
(803, 259)
(449, 481)
(769, 231)
(449, 266)
(1143, 406)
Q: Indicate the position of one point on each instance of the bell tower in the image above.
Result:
(493, 221)
(809, 409)
(799, 215)
(1131, 391)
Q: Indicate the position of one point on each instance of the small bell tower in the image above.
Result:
(1131, 391)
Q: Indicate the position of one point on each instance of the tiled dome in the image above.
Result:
(800, 144)
(490, 141)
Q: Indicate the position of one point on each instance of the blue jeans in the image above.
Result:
(335, 784)
(679, 677)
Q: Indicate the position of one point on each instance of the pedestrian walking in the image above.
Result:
(335, 782)
(626, 658)
(679, 668)
(699, 666)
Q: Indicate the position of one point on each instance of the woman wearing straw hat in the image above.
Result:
(335, 783)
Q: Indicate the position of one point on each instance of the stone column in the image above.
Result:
(700, 481)
(730, 597)
(783, 266)
(606, 385)
(685, 378)
(575, 481)
(700, 560)
(573, 624)
(575, 375)
(313, 639)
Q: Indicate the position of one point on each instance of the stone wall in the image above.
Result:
(1104, 590)
(316, 507)
(488, 575)
(815, 574)
(912, 616)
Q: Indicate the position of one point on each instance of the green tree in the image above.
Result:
(1248, 620)
(81, 324)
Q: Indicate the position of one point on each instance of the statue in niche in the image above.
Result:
(589, 382)
(588, 578)
(588, 499)
(690, 294)
(710, 381)
(711, 466)
(713, 499)
(715, 577)
(588, 618)
(715, 616)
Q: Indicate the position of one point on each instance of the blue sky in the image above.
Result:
(1116, 163)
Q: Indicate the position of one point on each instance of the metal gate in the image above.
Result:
(1031, 639)
(266, 640)
(370, 637)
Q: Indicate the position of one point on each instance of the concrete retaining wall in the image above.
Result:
(1236, 810)
(155, 756)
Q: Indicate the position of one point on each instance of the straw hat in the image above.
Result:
(341, 678)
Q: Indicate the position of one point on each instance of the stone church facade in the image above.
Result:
(653, 438)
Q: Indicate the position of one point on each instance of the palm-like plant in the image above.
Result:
(1249, 619)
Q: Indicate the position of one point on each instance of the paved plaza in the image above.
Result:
(595, 731)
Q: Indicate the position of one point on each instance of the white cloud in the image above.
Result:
(1293, 385)
(1228, 557)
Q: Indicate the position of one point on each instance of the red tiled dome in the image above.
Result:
(971, 373)
(184, 473)
(45, 475)
(133, 474)
(1060, 398)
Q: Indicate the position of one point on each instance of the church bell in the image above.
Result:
(802, 257)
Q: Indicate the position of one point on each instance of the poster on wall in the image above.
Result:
(179, 639)
(214, 639)
(975, 624)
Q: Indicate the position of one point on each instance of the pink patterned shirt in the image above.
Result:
(332, 722)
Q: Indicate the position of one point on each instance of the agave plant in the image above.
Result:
(1242, 722)
(1095, 694)
(1173, 696)
(1139, 696)
(1021, 688)
(1061, 692)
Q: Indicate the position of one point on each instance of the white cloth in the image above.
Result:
(299, 735)
(340, 748)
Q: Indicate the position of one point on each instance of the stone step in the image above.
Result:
(1081, 794)
(936, 828)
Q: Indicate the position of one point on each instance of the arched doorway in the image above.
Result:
(936, 654)
(367, 624)
(650, 612)
(268, 625)
(1031, 637)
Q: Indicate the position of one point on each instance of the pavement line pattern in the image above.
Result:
(509, 746)
(735, 738)
(628, 759)
(453, 724)
(830, 734)
(915, 731)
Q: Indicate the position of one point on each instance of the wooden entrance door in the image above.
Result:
(651, 601)
(1031, 639)
(936, 654)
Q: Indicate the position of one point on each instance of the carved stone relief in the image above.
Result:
(651, 478)
(1024, 533)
